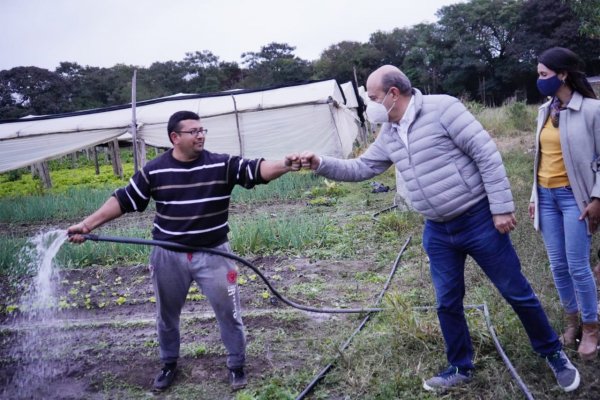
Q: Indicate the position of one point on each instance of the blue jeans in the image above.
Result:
(473, 233)
(568, 246)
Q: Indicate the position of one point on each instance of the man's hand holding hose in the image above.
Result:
(107, 212)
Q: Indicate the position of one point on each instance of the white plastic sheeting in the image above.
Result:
(317, 116)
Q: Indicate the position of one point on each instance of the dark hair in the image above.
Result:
(398, 80)
(560, 60)
(176, 118)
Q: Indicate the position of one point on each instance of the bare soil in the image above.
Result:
(102, 342)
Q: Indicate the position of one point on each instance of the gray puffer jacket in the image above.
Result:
(452, 164)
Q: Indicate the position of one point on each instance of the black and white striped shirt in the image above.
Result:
(192, 198)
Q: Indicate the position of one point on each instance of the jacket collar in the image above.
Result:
(418, 101)
(574, 103)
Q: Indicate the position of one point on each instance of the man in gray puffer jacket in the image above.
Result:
(454, 176)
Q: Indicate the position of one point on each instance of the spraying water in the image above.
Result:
(46, 245)
(38, 308)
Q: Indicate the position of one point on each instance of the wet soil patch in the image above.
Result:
(103, 341)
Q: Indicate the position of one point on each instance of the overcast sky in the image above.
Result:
(103, 33)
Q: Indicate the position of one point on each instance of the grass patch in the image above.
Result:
(308, 289)
(512, 119)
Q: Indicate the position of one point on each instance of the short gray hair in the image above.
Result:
(396, 79)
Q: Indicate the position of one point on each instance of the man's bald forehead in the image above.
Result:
(388, 76)
(388, 68)
(382, 71)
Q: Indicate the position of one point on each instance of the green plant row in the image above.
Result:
(72, 204)
(82, 197)
(263, 234)
(63, 181)
(289, 187)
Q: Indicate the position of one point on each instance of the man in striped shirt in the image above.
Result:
(191, 188)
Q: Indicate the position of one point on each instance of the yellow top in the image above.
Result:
(551, 172)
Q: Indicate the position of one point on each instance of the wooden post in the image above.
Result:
(141, 153)
(44, 173)
(115, 157)
(96, 165)
(237, 124)
(134, 138)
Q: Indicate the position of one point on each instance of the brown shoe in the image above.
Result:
(596, 270)
(588, 348)
(571, 329)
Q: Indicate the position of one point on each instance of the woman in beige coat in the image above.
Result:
(565, 200)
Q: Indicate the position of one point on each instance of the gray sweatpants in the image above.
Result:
(172, 274)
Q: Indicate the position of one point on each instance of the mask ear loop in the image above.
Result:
(384, 97)
(563, 80)
(387, 110)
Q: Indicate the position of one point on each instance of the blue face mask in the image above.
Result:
(549, 86)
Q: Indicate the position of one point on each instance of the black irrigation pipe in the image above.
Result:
(181, 247)
(483, 307)
(511, 368)
(321, 374)
(374, 216)
(488, 322)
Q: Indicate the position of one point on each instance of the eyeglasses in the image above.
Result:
(195, 132)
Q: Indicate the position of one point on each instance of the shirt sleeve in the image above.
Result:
(245, 172)
(136, 195)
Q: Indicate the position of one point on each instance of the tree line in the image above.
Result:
(482, 50)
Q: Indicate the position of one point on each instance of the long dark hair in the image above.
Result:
(560, 60)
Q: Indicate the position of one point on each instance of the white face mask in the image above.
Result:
(377, 113)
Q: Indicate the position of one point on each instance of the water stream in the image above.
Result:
(35, 358)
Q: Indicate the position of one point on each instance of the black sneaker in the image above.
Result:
(237, 378)
(566, 374)
(448, 378)
(165, 377)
